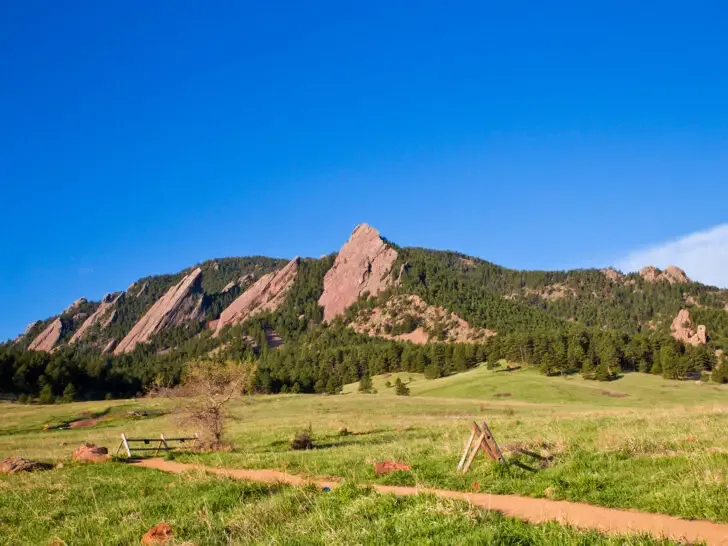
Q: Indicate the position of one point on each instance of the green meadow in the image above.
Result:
(639, 442)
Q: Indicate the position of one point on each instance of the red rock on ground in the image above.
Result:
(267, 294)
(90, 453)
(12, 465)
(387, 467)
(178, 305)
(48, 337)
(363, 264)
(158, 535)
(682, 329)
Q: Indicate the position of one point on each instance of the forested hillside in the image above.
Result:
(599, 323)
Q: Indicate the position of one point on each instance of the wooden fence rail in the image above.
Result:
(162, 443)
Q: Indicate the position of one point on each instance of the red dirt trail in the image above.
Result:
(585, 516)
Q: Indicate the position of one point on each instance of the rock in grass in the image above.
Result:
(386, 467)
(12, 465)
(158, 535)
(90, 453)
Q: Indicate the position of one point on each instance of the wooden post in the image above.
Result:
(478, 443)
(493, 445)
(467, 449)
(163, 441)
(159, 444)
(126, 444)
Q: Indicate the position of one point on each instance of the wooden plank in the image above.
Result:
(493, 445)
(126, 444)
(164, 441)
(474, 452)
(147, 440)
(467, 449)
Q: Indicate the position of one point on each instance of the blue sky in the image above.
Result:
(140, 137)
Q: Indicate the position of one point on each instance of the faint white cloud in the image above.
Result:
(85, 270)
(703, 255)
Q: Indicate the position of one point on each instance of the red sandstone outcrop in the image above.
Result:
(675, 275)
(363, 265)
(181, 303)
(27, 329)
(672, 274)
(682, 329)
(612, 274)
(48, 337)
(267, 294)
(75, 305)
(104, 311)
(432, 323)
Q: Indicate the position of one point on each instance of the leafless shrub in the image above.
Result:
(210, 385)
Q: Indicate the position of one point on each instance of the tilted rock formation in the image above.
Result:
(363, 265)
(682, 329)
(27, 330)
(180, 304)
(105, 309)
(672, 274)
(48, 337)
(432, 323)
(143, 289)
(267, 294)
(75, 305)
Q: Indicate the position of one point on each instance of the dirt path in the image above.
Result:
(585, 516)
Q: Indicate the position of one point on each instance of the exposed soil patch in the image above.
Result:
(532, 510)
(91, 422)
(612, 394)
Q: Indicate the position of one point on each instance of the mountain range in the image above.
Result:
(373, 288)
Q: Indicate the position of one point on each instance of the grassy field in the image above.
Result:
(647, 444)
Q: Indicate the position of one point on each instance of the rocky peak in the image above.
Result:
(362, 265)
(182, 302)
(75, 305)
(675, 275)
(266, 294)
(682, 329)
(612, 274)
(48, 337)
(672, 274)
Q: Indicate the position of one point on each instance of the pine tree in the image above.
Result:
(400, 388)
(46, 395)
(459, 358)
(69, 393)
(720, 370)
(365, 384)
